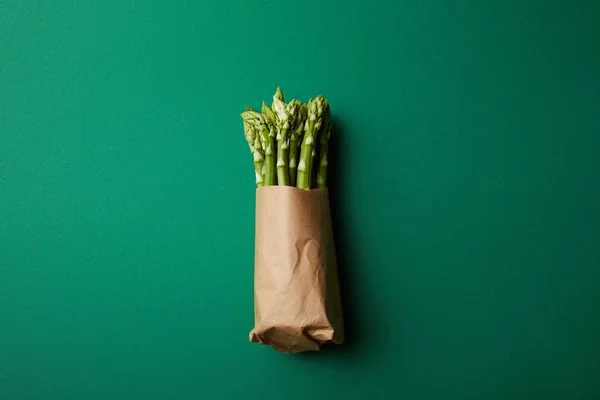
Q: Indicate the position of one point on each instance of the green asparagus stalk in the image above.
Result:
(296, 134)
(307, 150)
(270, 121)
(286, 115)
(256, 150)
(323, 150)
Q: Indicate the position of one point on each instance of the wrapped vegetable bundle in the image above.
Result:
(297, 304)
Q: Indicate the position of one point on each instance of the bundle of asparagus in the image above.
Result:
(297, 305)
(286, 140)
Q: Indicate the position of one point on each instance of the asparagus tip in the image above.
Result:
(278, 94)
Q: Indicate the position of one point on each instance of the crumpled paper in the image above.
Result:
(297, 304)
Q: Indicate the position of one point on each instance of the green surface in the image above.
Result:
(466, 197)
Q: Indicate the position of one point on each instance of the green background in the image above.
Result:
(466, 197)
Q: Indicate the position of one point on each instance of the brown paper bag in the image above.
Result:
(297, 305)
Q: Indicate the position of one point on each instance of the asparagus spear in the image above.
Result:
(296, 138)
(307, 151)
(270, 121)
(286, 115)
(256, 150)
(323, 151)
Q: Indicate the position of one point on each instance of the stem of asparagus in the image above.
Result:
(323, 152)
(270, 157)
(283, 115)
(269, 119)
(283, 174)
(259, 161)
(296, 138)
(256, 150)
(307, 150)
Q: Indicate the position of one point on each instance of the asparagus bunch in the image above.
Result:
(289, 142)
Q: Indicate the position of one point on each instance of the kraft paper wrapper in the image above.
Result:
(297, 304)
